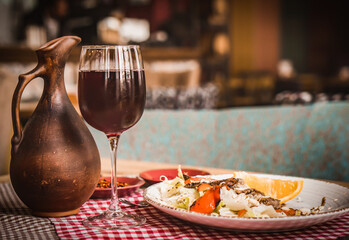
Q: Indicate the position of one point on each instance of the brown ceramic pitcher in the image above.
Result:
(55, 164)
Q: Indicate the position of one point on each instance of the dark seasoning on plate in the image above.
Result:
(104, 183)
(125, 186)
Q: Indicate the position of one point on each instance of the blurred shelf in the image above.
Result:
(25, 54)
(172, 53)
(16, 54)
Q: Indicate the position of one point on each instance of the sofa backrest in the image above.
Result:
(307, 141)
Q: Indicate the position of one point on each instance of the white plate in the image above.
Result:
(337, 205)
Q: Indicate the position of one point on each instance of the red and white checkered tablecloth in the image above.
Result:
(160, 225)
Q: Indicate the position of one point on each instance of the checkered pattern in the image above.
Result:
(160, 225)
(16, 222)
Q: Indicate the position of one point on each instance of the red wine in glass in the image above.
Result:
(109, 104)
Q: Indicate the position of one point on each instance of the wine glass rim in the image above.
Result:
(106, 46)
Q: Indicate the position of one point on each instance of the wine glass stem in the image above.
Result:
(114, 201)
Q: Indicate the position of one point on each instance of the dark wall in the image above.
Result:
(315, 35)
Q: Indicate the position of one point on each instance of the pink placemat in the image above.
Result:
(160, 225)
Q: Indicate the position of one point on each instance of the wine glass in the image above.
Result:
(112, 93)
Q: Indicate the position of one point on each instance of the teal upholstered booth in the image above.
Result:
(308, 141)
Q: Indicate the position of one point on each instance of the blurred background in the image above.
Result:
(198, 54)
(235, 55)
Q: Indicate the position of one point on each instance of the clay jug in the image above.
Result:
(55, 163)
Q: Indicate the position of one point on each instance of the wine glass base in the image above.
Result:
(114, 220)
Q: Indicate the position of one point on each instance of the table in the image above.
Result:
(159, 225)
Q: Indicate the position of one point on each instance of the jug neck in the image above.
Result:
(54, 83)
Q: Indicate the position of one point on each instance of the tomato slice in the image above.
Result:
(208, 202)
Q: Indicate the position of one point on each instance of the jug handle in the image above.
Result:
(23, 80)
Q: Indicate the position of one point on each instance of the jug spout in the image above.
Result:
(58, 50)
